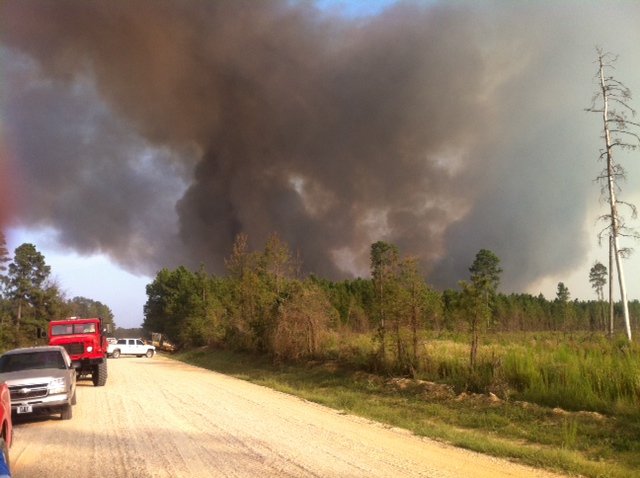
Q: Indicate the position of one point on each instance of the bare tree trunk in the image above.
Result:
(623, 291)
(382, 331)
(612, 199)
(473, 353)
(18, 320)
(611, 308)
(414, 327)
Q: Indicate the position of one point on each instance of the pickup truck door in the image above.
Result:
(140, 347)
(122, 345)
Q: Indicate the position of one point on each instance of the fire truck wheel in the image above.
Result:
(99, 375)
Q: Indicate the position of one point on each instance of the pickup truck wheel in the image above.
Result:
(5, 466)
(67, 412)
(149, 353)
(115, 353)
(73, 399)
(99, 375)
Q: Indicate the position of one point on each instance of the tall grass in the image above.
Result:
(575, 372)
(589, 375)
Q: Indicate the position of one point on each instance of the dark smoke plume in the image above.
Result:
(155, 131)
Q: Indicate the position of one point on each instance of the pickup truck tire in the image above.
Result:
(115, 353)
(149, 353)
(99, 375)
(4, 455)
(73, 399)
(67, 412)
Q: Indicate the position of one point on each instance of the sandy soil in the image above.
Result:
(162, 418)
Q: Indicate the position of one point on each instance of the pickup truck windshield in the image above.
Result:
(71, 329)
(31, 361)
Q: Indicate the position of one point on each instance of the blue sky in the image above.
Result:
(355, 8)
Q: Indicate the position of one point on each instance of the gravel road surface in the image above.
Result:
(161, 418)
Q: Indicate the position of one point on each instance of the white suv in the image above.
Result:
(130, 347)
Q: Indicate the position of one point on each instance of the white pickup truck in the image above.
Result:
(130, 347)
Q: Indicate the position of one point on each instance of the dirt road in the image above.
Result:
(162, 418)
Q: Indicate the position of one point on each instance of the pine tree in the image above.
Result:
(26, 281)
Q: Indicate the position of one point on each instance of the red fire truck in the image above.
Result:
(86, 342)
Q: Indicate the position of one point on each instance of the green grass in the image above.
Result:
(589, 444)
(575, 376)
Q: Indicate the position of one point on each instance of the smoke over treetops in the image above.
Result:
(155, 131)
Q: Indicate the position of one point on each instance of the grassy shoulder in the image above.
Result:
(588, 444)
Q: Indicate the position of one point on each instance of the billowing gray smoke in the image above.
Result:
(155, 131)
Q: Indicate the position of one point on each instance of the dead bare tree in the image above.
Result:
(612, 100)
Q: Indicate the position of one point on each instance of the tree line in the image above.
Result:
(30, 298)
(264, 304)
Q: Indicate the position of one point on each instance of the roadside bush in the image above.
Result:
(356, 351)
(301, 323)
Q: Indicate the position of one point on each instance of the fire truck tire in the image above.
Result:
(4, 458)
(67, 412)
(99, 375)
(115, 353)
